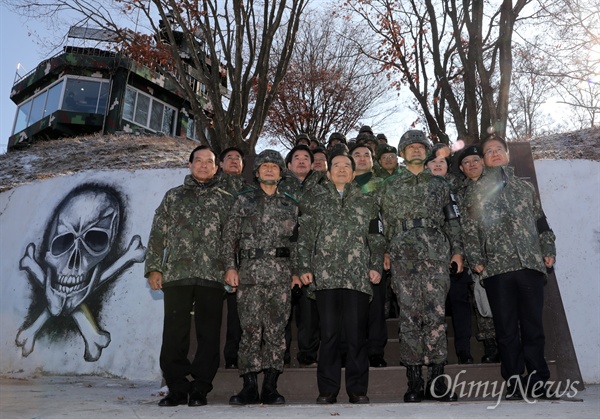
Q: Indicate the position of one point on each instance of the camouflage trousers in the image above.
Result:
(263, 311)
(485, 327)
(421, 288)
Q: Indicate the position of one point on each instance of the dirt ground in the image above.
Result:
(45, 159)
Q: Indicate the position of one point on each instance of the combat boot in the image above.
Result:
(490, 355)
(269, 393)
(414, 394)
(249, 393)
(436, 388)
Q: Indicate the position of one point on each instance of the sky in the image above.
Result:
(18, 47)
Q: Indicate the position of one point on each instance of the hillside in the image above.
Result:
(45, 159)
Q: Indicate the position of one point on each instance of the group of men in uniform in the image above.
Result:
(322, 237)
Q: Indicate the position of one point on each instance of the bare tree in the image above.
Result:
(530, 89)
(228, 37)
(455, 58)
(571, 53)
(329, 85)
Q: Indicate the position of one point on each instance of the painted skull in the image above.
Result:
(82, 234)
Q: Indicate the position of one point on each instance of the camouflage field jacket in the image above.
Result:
(233, 184)
(185, 237)
(502, 214)
(257, 226)
(413, 216)
(291, 185)
(340, 238)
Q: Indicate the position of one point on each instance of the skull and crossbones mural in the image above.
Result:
(79, 254)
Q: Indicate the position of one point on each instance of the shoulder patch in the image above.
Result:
(291, 197)
(245, 191)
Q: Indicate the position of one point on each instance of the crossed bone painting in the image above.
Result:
(83, 249)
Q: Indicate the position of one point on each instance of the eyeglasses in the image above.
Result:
(497, 150)
(388, 158)
(234, 158)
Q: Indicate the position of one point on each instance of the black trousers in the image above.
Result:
(207, 304)
(307, 323)
(377, 335)
(343, 310)
(234, 330)
(517, 301)
(461, 308)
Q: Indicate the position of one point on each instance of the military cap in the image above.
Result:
(300, 137)
(313, 139)
(472, 150)
(413, 136)
(385, 148)
(382, 137)
(365, 128)
(269, 156)
(338, 136)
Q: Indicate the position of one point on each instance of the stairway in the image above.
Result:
(299, 385)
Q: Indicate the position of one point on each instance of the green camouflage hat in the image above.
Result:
(413, 136)
(269, 156)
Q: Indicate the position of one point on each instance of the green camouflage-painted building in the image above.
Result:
(86, 90)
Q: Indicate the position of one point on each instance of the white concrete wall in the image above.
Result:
(130, 311)
(132, 314)
(570, 192)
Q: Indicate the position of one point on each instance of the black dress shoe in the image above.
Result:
(514, 393)
(464, 358)
(326, 398)
(197, 398)
(377, 361)
(173, 400)
(358, 399)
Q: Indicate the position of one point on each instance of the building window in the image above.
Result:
(78, 95)
(84, 95)
(191, 129)
(148, 112)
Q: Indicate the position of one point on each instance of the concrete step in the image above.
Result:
(299, 385)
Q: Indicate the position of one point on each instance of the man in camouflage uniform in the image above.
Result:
(319, 160)
(470, 163)
(423, 233)
(263, 226)
(231, 179)
(334, 139)
(341, 249)
(510, 244)
(300, 179)
(183, 260)
(302, 139)
(377, 330)
(387, 156)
